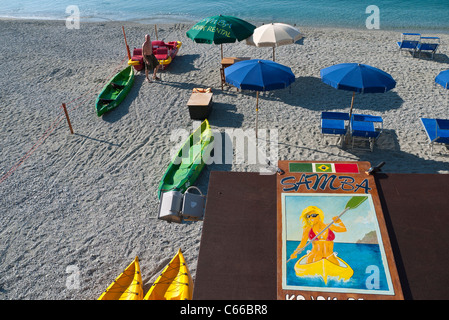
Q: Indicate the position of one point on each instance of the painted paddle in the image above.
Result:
(353, 203)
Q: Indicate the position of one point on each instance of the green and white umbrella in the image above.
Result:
(220, 29)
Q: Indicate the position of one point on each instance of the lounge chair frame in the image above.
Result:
(409, 41)
(366, 127)
(335, 123)
(437, 131)
(429, 45)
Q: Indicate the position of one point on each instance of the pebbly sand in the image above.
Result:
(88, 201)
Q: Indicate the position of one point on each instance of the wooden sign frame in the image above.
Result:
(345, 199)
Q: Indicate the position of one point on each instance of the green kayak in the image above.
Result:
(186, 166)
(115, 91)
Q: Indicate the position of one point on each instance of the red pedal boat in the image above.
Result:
(164, 52)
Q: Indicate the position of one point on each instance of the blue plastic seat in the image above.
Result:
(437, 131)
(366, 127)
(409, 41)
(428, 44)
(334, 123)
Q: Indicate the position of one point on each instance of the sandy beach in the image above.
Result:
(87, 201)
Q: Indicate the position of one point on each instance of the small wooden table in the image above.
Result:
(227, 62)
(200, 105)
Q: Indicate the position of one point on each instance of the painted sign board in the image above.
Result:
(332, 241)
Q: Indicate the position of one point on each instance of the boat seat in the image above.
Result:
(117, 86)
(137, 52)
(105, 101)
(137, 56)
(157, 43)
(161, 50)
(172, 44)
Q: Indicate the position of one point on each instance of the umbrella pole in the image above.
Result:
(352, 104)
(257, 110)
(221, 47)
(346, 138)
(273, 54)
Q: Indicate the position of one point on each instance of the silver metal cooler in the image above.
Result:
(170, 206)
(193, 205)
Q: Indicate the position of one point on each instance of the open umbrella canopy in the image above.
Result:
(259, 75)
(220, 29)
(273, 35)
(443, 79)
(357, 77)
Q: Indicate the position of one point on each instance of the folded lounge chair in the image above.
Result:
(428, 44)
(366, 127)
(409, 41)
(437, 131)
(334, 123)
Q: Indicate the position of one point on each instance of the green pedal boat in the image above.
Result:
(115, 91)
(188, 163)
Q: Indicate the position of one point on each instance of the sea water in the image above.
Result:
(365, 259)
(406, 15)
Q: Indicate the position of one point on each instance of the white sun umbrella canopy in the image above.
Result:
(274, 35)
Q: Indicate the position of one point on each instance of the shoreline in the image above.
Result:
(89, 199)
(190, 21)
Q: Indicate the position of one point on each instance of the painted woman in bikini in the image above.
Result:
(322, 247)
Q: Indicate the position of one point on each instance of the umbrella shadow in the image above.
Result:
(225, 115)
(387, 147)
(311, 93)
(182, 64)
(438, 57)
(123, 108)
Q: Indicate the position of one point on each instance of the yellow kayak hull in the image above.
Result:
(324, 268)
(127, 286)
(174, 283)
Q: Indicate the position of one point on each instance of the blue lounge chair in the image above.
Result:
(437, 131)
(409, 44)
(334, 123)
(366, 127)
(428, 44)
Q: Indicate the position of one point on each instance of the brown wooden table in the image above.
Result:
(226, 62)
(237, 258)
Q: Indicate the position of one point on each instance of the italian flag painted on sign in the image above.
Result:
(324, 167)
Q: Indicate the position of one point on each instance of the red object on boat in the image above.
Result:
(137, 56)
(164, 52)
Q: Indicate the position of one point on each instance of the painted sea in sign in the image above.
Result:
(362, 258)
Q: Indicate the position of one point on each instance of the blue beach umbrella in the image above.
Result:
(259, 75)
(357, 77)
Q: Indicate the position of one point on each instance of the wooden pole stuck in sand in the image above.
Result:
(67, 117)
(126, 43)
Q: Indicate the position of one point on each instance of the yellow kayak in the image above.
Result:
(174, 283)
(324, 268)
(127, 286)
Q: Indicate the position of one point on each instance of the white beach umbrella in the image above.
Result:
(274, 35)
